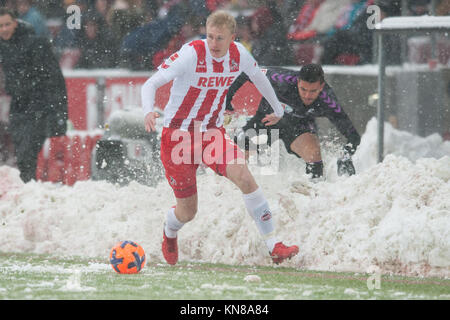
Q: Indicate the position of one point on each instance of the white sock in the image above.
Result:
(172, 224)
(259, 210)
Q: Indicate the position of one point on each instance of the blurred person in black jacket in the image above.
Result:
(37, 88)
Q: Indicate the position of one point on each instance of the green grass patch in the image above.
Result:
(45, 277)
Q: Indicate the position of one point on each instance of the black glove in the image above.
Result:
(345, 164)
(349, 149)
(345, 167)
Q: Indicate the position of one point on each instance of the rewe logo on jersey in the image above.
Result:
(208, 82)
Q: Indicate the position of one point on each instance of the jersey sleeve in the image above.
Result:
(178, 63)
(259, 79)
(148, 91)
(336, 114)
(249, 64)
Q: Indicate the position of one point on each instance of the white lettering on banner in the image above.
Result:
(91, 106)
(120, 96)
(4, 108)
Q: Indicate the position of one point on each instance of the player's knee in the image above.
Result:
(242, 177)
(308, 152)
(186, 213)
(190, 215)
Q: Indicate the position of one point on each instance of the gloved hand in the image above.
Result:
(349, 150)
(345, 164)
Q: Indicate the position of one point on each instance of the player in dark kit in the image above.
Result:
(306, 96)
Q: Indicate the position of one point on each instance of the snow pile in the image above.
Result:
(399, 143)
(395, 215)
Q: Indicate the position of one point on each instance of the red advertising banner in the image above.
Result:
(92, 97)
(120, 90)
(82, 96)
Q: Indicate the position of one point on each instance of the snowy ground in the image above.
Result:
(394, 215)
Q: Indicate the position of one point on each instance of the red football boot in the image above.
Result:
(280, 252)
(170, 249)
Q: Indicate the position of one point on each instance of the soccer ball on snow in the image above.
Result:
(127, 257)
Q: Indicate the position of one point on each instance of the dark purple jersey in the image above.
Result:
(298, 118)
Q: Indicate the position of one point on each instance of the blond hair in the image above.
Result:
(222, 18)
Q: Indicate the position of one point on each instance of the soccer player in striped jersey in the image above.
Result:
(202, 71)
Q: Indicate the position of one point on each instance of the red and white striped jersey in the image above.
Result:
(201, 82)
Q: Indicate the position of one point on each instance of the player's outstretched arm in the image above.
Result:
(148, 93)
(261, 82)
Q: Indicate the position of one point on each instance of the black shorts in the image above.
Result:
(289, 128)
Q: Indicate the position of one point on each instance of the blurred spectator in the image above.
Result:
(349, 38)
(244, 33)
(355, 44)
(327, 16)
(289, 10)
(29, 13)
(202, 8)
(306, 42)
(123, 18)
(443, 8)
(189, 31)
(141, 44)
(418, 7)
(214, 5)
(95, 43)
(8, 4)
(37, 89)
(349, 14)
(268, 47)
(66, 38)
(51, 9)
(102, 7)
(299, 30)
